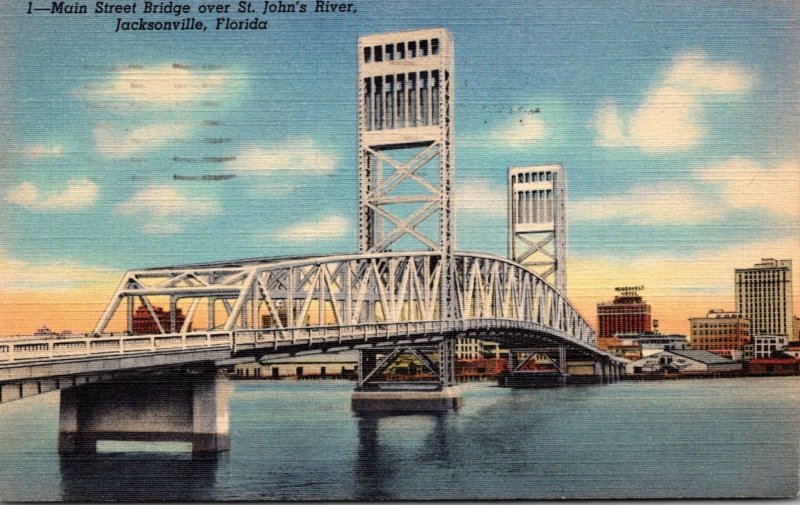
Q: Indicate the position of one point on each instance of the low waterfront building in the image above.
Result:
(787, 365)
(765, 345)
(321, 366)
(628, 349)
(682, 361)
(792, 349)
(482, 368)
(652, 342)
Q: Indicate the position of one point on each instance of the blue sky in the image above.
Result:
(676, 121)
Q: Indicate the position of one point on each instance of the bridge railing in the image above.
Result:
(56, 349)
(332, 335)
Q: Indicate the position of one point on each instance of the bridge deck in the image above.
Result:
(29, 359)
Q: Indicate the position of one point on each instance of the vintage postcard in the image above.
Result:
(278, 250)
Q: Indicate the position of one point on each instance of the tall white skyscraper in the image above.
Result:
(764, 296)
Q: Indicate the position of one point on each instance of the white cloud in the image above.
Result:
(298, 155)
(481, 197)
(163, 210)
(112, 142)
(747, 184)
(328, 228)
(79, 193)
(608, 124)
(161, 84)
(521, 131)
(664, 203)
(670, 117)
(43, 151)
(693, 70)
(21, 276)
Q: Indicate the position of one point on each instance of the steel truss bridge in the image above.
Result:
(323, 303)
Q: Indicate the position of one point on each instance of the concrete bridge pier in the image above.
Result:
(177, 405)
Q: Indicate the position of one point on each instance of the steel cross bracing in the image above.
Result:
(436, 361)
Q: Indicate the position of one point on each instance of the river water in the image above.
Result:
(299, 440)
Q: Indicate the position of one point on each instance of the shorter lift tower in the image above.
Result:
(537, 222)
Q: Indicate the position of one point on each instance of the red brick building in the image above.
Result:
(628, 313)
(144, 324)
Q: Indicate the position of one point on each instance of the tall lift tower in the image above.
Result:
(405, 148)
(537, 222)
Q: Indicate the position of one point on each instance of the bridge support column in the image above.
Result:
(187, 406)
(409, 378)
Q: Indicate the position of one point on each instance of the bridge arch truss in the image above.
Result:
(265, 303)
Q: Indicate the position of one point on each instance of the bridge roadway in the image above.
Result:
(498, 300)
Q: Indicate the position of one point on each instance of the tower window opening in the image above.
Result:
(389, 52)
(412, 49)
(401, 101)
(423, 48)
(389, 101)
(412, 99)
(378, 53)
(435, 97)
(378, 103)
(368, 103)
(401, 50)
(424, 106)
(434, 46)
(367, 54)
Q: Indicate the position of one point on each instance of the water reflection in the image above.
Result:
(136, 477)
(379, 462)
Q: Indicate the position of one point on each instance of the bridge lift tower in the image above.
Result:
(405, 159)
(537, 221)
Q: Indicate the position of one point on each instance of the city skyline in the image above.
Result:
(682, 158)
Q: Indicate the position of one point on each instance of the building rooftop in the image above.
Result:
(702, 356)
(768, 263)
